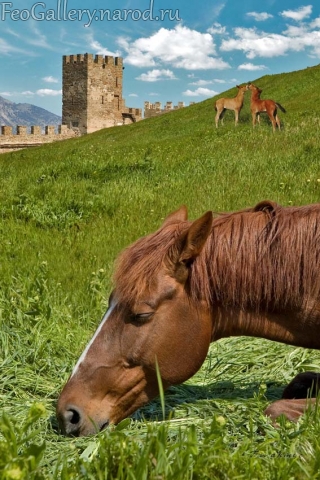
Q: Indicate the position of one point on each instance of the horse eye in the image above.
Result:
(141, 317)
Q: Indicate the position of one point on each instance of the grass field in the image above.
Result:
(67, 210)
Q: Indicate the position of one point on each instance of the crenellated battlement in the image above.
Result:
(89, 58)
(35, 130)
(155, 109)
(24, 137)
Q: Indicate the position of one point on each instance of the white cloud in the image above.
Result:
(201, 83)
(180, 47)
(315, 23)
(217, 9)
(153, 94)
(299, 14)
(251, 66)
(133, 95)
(217, 29)
(256, 43)
(200, 92)
(295, 31)
(262, 44)
(50, 79)
(47, 92)
(7, 49)
(156, 75)
(260, 17)
(43, 92)
(26, 93)
(38, 39)
(99, 49)
(12, 32)
(7, 94)
(219, 80)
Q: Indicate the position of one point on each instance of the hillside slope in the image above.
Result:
(142, 171)
(67, 209)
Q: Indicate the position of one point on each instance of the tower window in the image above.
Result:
(102, 99)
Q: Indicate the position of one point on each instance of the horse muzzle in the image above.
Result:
(74, 423)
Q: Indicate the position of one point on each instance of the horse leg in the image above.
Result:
(272, 121)
(296, 397)
(292, 409)
(236, 115)
(254, 118)
(278, 121)
(306, 384)
(222, 115)
(219, 116)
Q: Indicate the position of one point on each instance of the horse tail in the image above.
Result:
(281, 107)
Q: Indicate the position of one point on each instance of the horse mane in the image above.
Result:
(258, 258)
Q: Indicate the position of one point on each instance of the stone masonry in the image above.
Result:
(92, 93)
(10, 141)
(155, 109)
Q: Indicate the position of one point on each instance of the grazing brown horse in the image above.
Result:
(258, 106)
(254, 272)
(236, 103)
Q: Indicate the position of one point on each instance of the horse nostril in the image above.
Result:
(70, 421)
(75, 416)
(104, 425)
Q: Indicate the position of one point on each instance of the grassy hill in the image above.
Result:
(68, 208)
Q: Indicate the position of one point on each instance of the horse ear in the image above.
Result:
(195, 239)
(266, 206)
(237, 86)
(188, 246)
(180, 215)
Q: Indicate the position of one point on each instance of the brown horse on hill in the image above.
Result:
(258, 106)
(254, 272)
(236, 104)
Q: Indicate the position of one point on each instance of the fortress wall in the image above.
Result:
(23, 139)
(155, 109)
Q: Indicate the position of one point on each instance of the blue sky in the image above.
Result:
(196, 50)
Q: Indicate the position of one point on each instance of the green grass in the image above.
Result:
(66, 211)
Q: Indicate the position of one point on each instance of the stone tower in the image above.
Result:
(92, 93)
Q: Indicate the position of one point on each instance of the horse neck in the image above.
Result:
(255, 96)
(246, 300)
(239, 97)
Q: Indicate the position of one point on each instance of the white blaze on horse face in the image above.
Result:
(83, 356)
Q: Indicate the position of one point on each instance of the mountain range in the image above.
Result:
(13, 114)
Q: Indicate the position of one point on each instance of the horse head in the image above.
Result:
(151, 320)
(242, 88)
(254, 88)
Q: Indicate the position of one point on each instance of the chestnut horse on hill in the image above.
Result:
(236, 103)
(254, 272)
(258, 106)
